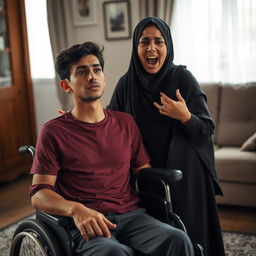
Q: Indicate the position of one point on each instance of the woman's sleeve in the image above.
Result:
(201, 122)
(117, 99)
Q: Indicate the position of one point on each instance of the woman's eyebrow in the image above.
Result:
(147, 37)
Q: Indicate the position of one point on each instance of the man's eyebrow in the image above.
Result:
(87, 66)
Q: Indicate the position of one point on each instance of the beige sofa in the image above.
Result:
(233, 108)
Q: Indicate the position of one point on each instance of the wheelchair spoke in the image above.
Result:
(33, 238)
(29, 245)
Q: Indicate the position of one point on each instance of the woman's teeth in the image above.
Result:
(152, 60)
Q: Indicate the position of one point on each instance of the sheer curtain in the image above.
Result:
(59, 40)
(158, 8)
(216, 39)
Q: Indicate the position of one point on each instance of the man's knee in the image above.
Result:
(180, 242)
(114, 248)
(118, 250)
(181, 237)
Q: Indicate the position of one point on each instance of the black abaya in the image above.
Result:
(174, 145)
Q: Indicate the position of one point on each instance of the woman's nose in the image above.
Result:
(151, 46)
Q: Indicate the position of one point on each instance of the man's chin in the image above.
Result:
(91, 99)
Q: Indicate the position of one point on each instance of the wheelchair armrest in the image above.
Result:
(54, 219)
(167, 175)
(25, 150)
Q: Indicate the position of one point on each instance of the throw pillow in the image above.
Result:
(249, 144)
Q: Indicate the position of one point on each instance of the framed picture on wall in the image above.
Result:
(84, 12)
(117, 20)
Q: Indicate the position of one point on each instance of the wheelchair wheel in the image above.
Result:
(34, 238)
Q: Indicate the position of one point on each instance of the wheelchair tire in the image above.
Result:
(32, 237)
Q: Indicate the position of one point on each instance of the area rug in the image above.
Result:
(236, 244)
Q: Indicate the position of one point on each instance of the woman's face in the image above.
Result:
(152, 49)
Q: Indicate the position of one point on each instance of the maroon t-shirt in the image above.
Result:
(92, 161)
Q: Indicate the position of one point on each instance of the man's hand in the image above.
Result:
(90, 222)
(174, 109)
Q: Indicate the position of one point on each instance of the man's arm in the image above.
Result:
(89, 222)
(147, 165)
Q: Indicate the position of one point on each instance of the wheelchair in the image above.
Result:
(49, 235)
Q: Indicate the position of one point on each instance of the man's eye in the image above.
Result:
(98, 70)
(81, 72)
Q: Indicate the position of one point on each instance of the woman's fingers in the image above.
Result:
(176, 109)
(165, 100)
(178, 95)
(60, 111)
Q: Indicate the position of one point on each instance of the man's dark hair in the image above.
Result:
(70, 56)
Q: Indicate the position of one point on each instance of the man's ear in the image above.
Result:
(64, 84)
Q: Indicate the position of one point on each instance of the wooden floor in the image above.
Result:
(15, 202)
(15, 205)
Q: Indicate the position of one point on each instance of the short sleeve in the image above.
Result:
(46, 157)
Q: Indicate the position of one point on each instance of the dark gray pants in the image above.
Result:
(136, 233)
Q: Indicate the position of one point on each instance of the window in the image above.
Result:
(41, 62)
(216, 39)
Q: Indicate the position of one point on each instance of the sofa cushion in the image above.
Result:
(234, 165)
(249, 144)
(237, 116)
(237, 194)
(212, 91)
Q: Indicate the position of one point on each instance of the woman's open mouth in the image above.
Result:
(152, 60)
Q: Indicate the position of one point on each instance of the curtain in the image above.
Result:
(158, 8)
(216, 39)
(59, 40)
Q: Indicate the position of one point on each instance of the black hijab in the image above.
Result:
(148, 81)
(141, 88)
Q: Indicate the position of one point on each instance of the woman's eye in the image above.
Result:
(159, 42)
(144, 42)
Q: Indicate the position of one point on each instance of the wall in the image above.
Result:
(46, 101)
(117, 56)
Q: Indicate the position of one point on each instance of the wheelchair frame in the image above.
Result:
(50, 234)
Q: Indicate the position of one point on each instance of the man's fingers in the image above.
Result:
(83, 233)
(91, 230)
(109, 223)
(105, 225)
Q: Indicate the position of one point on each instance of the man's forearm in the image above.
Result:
(89, 222)
(52, 203)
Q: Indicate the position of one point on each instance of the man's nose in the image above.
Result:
(91, 76)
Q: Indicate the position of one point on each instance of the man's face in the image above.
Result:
(152, 49)
(87, 80)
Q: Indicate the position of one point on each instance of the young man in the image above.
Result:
(81, 168)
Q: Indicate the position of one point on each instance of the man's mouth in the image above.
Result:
(93, 85)
(152, 60)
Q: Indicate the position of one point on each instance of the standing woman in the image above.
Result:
(171, 111)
